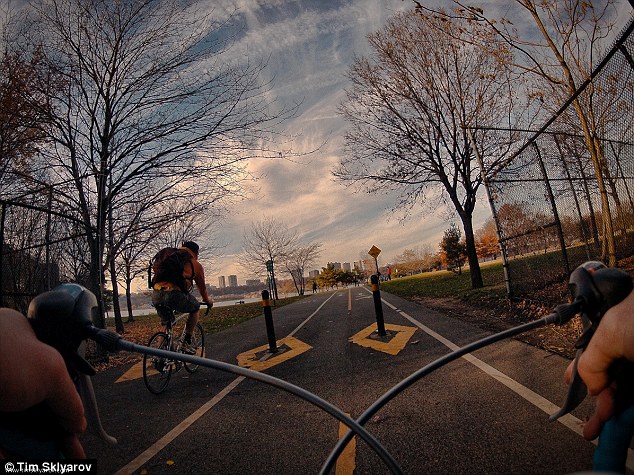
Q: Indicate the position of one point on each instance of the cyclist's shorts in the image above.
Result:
(167, 301)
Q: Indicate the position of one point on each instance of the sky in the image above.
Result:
(311, 44)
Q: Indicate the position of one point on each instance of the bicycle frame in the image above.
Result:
(157, 370)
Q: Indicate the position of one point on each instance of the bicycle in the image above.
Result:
(594, 289)
(157, 370)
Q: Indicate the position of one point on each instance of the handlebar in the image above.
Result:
(114, 342)
(591, 291)
(208, 305)
(66, 311)
(594, 287)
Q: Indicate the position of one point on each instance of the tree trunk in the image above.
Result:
(116, 308)
(128, 300)
(472, 253)
(95, 285)
(597, 161)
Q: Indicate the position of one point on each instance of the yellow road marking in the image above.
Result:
(346, 462)
(135, 372)
(250, 359)
(393, 346)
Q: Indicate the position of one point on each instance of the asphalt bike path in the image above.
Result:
(485, 413)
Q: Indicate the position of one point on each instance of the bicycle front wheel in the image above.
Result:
(198, 340)
(157, 370)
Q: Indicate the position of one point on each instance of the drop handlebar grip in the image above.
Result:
(614, 441)
(108, 339)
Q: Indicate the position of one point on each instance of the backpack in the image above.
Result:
(168, 265)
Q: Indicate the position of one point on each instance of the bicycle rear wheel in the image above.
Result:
(157, 370)
(198, 340)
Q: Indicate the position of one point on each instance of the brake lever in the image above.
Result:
(595, 288)
(91, 408)
(62, 318)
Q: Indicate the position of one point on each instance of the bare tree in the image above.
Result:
(149, 104)
(414, 261)
(268, 240)
(573, 33)
(298, 260)
(410, 110)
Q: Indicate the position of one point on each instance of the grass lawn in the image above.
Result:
(446, 284)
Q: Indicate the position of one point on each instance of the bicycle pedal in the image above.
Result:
(189, 348)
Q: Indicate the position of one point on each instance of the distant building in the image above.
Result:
(233, 281)
(222, 283)
(313, 273)
(336, 265)
(253, 282)
(346, 267)
(357, 265)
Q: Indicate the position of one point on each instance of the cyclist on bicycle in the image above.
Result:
(169, 296)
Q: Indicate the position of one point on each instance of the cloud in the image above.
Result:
(309, 46)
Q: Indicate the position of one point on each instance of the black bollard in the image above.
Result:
(268, 318)
(378, 306)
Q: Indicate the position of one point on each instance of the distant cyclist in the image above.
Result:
(172, 292)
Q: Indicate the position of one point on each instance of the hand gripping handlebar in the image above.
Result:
(595, 288)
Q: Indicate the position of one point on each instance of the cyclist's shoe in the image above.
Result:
(159, 364)
(188, 348)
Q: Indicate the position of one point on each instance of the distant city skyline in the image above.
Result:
(230, 281)
(312, 272)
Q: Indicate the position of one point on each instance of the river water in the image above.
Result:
(149, 310)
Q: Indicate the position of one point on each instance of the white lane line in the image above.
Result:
(569, 421)
(299, 327)
(160, 444)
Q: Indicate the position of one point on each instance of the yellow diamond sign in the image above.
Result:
(374, 251)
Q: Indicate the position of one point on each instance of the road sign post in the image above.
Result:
(378, 305)
(268, 318)
(376, 293)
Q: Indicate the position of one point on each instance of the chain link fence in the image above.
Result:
(546, 199)
(39, 247)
